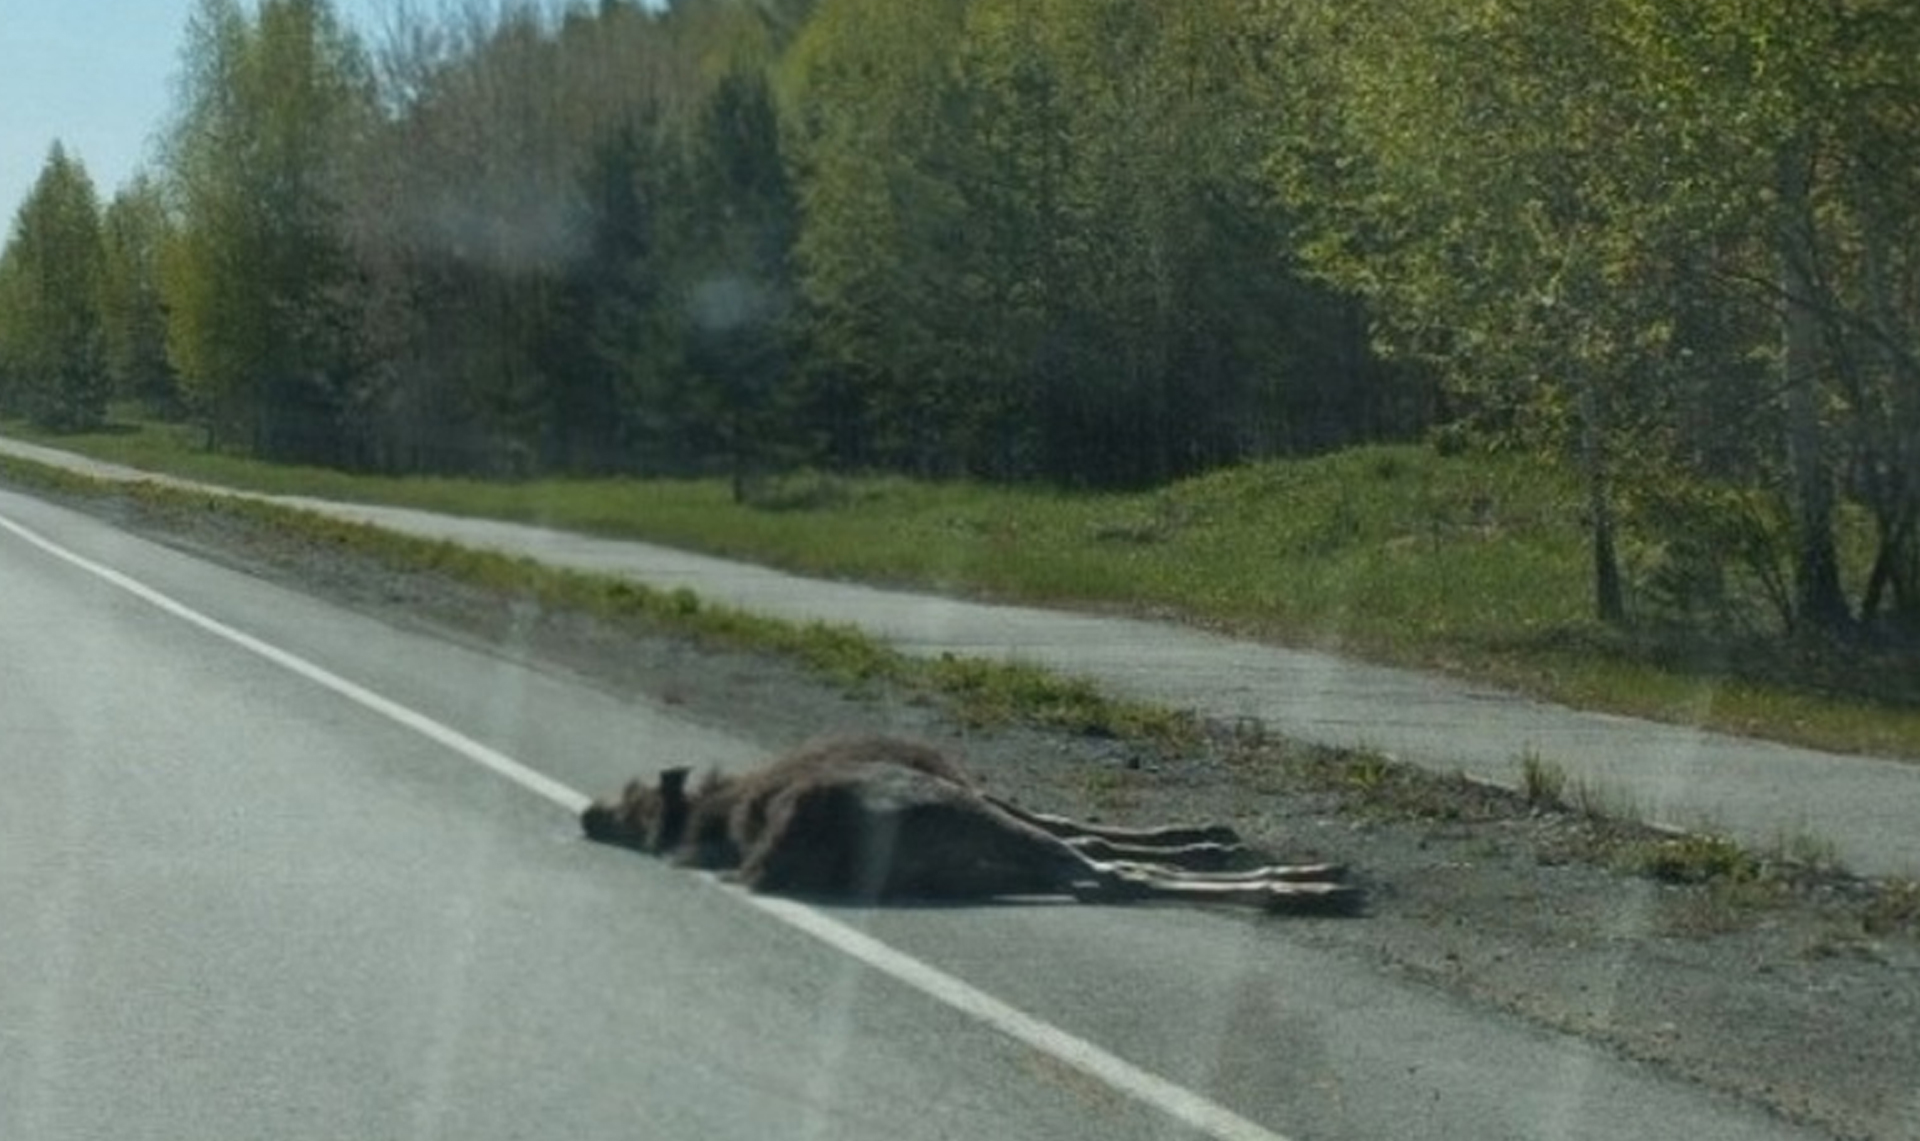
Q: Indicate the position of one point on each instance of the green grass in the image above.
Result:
(1474, 565)
(974, 691)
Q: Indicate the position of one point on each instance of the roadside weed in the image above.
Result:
(1691, 858)
(1894, 909)
(1543, 784)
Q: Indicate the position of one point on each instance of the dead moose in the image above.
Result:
(876, 818)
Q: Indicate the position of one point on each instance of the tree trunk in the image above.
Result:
(1892, 548)
(1819, 601)
(1893, 457)
(1608, 598)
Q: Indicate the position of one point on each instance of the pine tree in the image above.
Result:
(134, 234)
(50, 340)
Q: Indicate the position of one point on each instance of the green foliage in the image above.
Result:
(1034, 245)
(256, 283)
(1100, 243)
(1484, 202)
(988, 238)
(1713, 557)
(135, 234)
(988, 693)
(736, 301)
(867, 105)
(1659, 236)
(51, 368)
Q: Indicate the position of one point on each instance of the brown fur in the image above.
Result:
(881, 818)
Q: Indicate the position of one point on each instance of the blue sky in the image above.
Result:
(97, 75)
(91, 73)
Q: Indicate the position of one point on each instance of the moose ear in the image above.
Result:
(673, 785)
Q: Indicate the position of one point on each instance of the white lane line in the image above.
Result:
(1176, 1101)
(452, 738)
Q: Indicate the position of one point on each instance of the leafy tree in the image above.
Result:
(1034, 242)
(271, 109)
(1670, 234)
(1481, 173)
(604, 335)
(949, 237)
(1787, 126)
(868, 102)
(736, 279)
(135, 233)
(50, 272)
(507, 216)
(1181, 334)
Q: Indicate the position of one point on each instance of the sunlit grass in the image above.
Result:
(1476, 565)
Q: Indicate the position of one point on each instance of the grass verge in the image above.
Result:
(974, 691)
(1471, 565)
(1709, 883)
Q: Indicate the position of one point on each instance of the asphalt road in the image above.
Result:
(271, 869)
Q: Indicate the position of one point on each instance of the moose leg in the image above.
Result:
(1284, 873)
(1068, 828)
(1313, 896)
(1197, 857)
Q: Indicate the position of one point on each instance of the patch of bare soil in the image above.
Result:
(1796, 989)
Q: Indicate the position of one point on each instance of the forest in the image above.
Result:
(1079, 243)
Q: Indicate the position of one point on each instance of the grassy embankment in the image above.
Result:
(1472, 565)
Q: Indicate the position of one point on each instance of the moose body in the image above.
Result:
(876, 818)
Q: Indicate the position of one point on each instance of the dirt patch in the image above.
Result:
(1795, 988)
